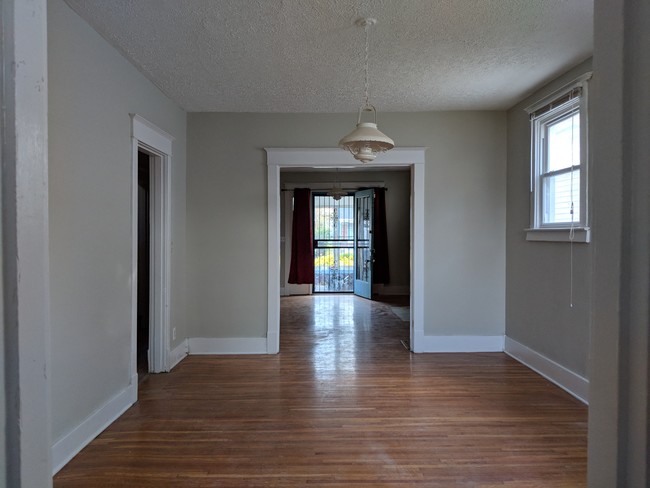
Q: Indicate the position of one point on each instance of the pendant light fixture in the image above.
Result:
(366, 141)
(336, 192)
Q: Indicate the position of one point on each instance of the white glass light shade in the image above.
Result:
(366, 141)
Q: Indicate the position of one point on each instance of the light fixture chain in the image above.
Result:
(366, 83)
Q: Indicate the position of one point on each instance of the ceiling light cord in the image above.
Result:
(366, 63)
(572, 232)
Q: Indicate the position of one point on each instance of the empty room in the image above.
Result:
(325, 243)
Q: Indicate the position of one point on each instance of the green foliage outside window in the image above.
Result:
(328, 260)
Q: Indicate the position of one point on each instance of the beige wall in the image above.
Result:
(538, 311)
(92, 91)
(227, 215)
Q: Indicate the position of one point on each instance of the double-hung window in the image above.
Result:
(559, 165)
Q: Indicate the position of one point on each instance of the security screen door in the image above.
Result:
(363, 250)
(333, 244)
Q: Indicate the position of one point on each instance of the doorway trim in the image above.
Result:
(158, 143)
(277, 158)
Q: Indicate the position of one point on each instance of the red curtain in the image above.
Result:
(301, 271)
(380, 270)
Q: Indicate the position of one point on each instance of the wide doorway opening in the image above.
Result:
(313, 160)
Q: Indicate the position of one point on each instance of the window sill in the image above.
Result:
(561, 234)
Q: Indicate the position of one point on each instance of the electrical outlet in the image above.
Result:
(174, 334)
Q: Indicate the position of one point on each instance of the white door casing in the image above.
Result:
(278, 158)
(156, 142)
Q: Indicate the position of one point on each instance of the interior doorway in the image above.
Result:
(296, 158)
(144, 263)
(151, 248)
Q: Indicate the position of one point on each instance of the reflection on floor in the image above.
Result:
(404, 313)
(339, 329)
(342, 405)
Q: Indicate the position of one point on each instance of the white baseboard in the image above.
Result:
(178, 354)
(235, 345)
(566, 379)
(462, 344)
(74, 441)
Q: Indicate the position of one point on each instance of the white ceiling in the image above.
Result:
(307, 55)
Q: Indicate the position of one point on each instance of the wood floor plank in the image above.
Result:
(344, 404)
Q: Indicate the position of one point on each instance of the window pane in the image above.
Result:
(557, 197)
(333, 219)
(562, 152)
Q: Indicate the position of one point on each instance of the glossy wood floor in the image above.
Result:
(343, 405)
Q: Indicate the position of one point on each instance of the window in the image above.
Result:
(559, 165)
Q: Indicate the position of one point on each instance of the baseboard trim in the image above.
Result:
(462, 343)
(234, 345)
(566, 379)
(74, 441)
(178, 354)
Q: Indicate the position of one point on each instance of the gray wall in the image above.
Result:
(619, 442)
(92, 91)
(538, 311)
(227, 214)
(398, 213)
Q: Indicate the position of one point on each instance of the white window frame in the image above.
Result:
(577, 231)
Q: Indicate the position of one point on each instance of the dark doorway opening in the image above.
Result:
(144, 260)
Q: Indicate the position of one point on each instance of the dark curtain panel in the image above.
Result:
(380, 271)
(302, 237)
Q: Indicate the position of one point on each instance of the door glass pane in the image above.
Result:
(363, 241)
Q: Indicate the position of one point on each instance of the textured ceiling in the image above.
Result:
(307, 55)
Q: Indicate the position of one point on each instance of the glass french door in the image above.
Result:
(363, 245)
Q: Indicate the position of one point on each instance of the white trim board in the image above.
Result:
(346, 185)
(229, 345)
(179, 353)
(462, 343)
(74, 441)
(151, 135)
(566, 379)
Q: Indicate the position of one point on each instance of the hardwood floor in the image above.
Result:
(344, 404)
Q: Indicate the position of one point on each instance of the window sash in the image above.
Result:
(558, 192)
(548, 125)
